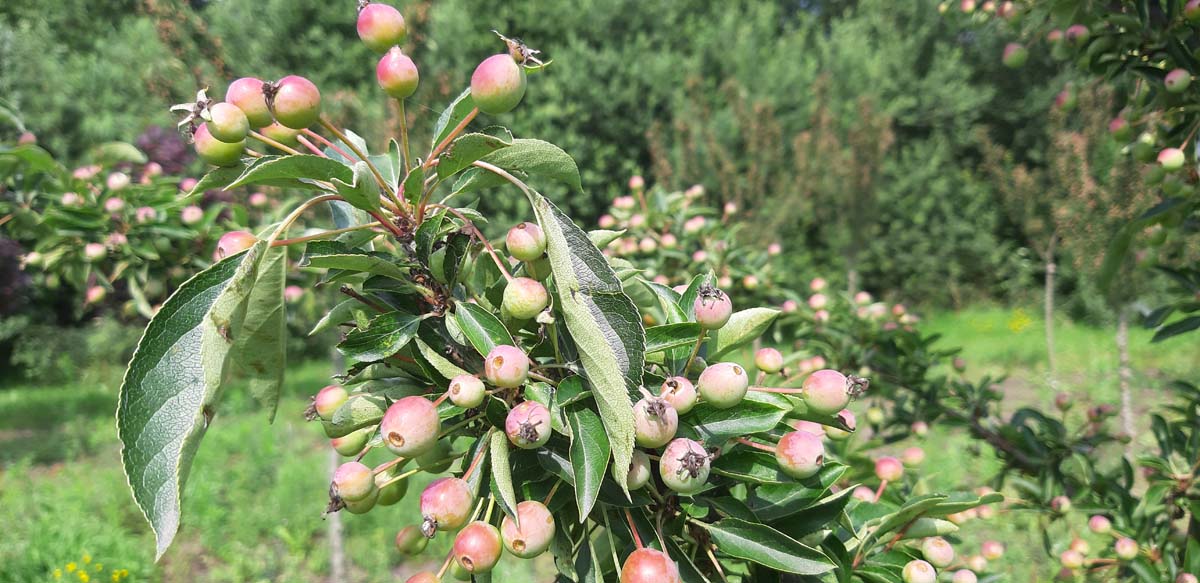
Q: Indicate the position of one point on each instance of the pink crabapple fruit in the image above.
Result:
(247, 94)
(1060, 504)
(353, 481)
(446, 504)
(800, 454)
(826, 392)
(991, 550)
(466, 391)
(889, 469)
(410, 541)
(712, 308)
(397, 74)
(684, 466)
(1177, 81)
(1071, 559)
(498, 84)
(232, 243)
(506, 367)
(723, 385)
(528, 425)
(526, 242)
(477, 547)
(328, 399)
(1126, 548)
(912, 457)
(1015, 55)
(648, 565)
(1171, 159)
(679, 393)
(352, 443)
(296, 102)
(654, 421)
(768, 360)
(380, 27)
(1186, 578)
(1191, 11)
(937, 552)
(536, 531)
(410, 426)
(964, 576)
(918, 571)
(1099, 524)
(120, 180)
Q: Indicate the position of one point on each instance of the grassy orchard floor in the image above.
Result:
(254, 497)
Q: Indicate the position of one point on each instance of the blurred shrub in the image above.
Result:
(48, 354)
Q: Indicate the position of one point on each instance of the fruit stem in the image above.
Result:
(385, 466)
(323, 234)
(478, 235)
(331, 145)
(445, 565)
(393, 228)
(253, 154)
(487, 516)
(695, 350)
(543, 378)
(363, 156)
(274, 144)
(403, 476)
(478, 457)
(755, 444)
(311, 148)
(404, 137)
(879, 492)
(462, 125)
(553, 490)
(637, 539)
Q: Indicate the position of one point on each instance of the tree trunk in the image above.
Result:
(1051, 366)
(852, 280)
(337, 542)
(1125, 374)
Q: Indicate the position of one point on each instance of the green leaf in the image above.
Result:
(502, 481)
(742, 328)
(268, 169)
(336, 255)
(468, 148)
(260, 351)
(1176, 328)
(601, 238)
(528, 157)
(216, 179)
(383, 337)
(668, 336)
(589, 456)
(414, 185)
(744, 465)
(603, 321)
(714, 426)
(438, 362)
(363, 192)
(482, 329)
(766, 546)
(114, 153)
(169, 393)
(457, 111)
(342, 312)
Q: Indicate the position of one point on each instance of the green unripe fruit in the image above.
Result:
(1015, 55)
(498, 84)
(282, 134)
(1177, 81)
(1171, 159)
(684, 466)
(352, 444)
(381, 27)
(397, 74)
(410, 541)
(438, 458)
(214, 151)
(526, 242)
(362, 506)
(1120, 129)
(390, 494)
(1144, 152)
(228, 124)
(525, 298)
(466, 391)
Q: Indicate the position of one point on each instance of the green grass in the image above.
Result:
(252, 509)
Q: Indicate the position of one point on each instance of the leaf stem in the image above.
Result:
(553, 490)
(363, 156)
(295, 214)
(462, 125)
(274, 144)
(323, 234)
(478, 456)
(361, 298)
(715, 562)
(404, 137)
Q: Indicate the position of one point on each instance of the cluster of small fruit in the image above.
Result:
(674, 234)
(411, 429)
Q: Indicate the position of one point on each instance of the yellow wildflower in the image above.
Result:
(87, 559)
(83, 577)
(58, 573)
(71, 567)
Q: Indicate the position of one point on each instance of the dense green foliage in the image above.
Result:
(683, 93)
